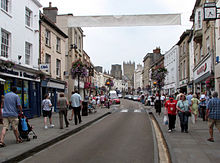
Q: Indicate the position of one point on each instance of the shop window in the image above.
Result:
(19, 89)
(26, 97)
(7, 86)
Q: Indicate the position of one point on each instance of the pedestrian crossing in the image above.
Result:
(132, 111)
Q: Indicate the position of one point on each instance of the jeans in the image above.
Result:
(77, 114)
(203, 111)
(183, 121)
(172, 121)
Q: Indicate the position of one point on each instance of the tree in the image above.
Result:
(158, 76)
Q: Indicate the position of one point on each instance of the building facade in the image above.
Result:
(204, 50)
(19, 27)
(52, 58)
(128, 70)
(138, 77)
(184, 61)
(171, 63)
(116, 71)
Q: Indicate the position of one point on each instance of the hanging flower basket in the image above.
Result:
(109, 83)
(7, 64)
(78, 69)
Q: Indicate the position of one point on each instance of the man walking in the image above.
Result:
(76, 103)
(213, 113)
(10, 115)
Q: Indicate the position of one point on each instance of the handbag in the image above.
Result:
(188, 113)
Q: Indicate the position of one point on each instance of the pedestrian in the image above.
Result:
(202, 106)
(1, 108)
(163, 99)
(194, 108)
(183, 110)
(158, 104)
(170, 106)
(10, 115)
(47, 111)
(102, 99)
(189, 98)
(63, 104)
(70, 106)
(76, 103)
(213, 115)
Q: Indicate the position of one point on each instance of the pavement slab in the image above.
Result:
(191, 147)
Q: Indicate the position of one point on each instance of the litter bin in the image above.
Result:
(85, 108)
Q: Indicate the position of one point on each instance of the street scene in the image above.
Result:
(110, 81)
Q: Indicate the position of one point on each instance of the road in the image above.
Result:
(125, 136)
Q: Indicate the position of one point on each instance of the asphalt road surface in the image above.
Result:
(125, 136)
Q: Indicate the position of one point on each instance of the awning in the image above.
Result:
(2, 81)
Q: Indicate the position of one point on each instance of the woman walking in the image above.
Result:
(158, 104)
(183, 110)
(47, 111)
(63, 104)
(195, 106)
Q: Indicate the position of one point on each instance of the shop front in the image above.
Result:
(203, 77)
(170, 89)
(28, 88)
(53, 87)
(183, 86)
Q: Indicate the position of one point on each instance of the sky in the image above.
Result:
(113, 45)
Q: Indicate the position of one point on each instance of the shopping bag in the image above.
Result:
(165, 120)
(193, 119)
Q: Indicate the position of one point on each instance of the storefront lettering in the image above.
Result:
(29, 76)
(202, 69)
(12, 72)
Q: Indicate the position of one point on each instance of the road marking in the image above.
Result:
(137, 111)
(124, 110)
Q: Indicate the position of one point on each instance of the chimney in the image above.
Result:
(51, 12)
(157, 50)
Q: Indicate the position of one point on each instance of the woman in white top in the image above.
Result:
(47, 111)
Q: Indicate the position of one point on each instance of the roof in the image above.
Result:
(183, 36)
(47, 20)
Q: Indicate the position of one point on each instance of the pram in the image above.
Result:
(25, 128)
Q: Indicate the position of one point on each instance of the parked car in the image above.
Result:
(136, 98)
(115, 100)
(120, 95)
(130, 97)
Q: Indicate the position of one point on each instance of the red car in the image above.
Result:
(115, 100)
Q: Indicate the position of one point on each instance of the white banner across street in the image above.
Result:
(125, 20)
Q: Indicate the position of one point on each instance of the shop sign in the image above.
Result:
(44, 66)
(19, 74)
(183, 82)
(203, 69)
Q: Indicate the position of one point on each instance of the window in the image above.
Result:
(208, 45)
(28, 14)
(181, 71)
(5, 36)
(184, 48)
(28, 50)
(79, 43)
(47, 37)
(47, 61)
(199, 20)
(58, 66)
(58, 46)
(184, 69)
(5, 5)
(75, 39)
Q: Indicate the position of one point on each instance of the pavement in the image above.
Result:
(45, 137)
(191, 147)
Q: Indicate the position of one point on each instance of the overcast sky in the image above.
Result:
(109, 45)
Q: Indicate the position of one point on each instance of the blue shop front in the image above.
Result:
(28, 87)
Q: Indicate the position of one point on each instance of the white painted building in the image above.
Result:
(138, 77)
(191, 65)
(171, 63)
(19, 32)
